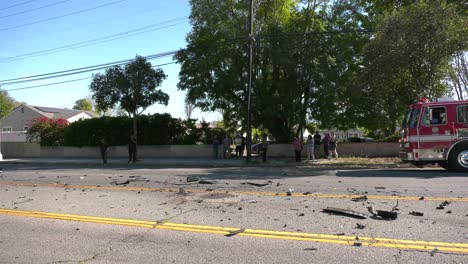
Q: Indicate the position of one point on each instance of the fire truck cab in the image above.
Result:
(436, 132)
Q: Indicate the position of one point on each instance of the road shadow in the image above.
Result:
(213, 173)
(401, 173)
(248, 173)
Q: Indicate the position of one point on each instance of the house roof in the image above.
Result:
(53, 112)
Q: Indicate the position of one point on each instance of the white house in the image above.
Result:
(14, 125)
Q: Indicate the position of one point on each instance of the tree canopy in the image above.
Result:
(7, 103)
(83, 104)
(341, 64)
(133, 87)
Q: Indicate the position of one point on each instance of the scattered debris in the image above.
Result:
(307, 193)
(345, 212)
(360, 226)
(122, 183)
(421, 198)
(301, 214)
(357, 243)
(387, 214)
(359, 199)
(379, 188)
(183, 191)
(193, 178)
(442, 205)
(206, 182)
(288, 193)
(395, 208)
(435, 250)
(310, 249)
(233, 233)
(449, 212)
(371, 210)
(416, 213)
(256, 184)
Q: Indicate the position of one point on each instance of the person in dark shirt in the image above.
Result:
(317, 140)
(103, 149)
(326, 143)
(132, 149)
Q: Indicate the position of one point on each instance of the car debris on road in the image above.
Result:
(344, 212)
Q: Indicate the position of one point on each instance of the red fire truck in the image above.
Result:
(436, 132)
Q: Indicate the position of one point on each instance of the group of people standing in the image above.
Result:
(132, 149)
(313, 144)
(239, 142)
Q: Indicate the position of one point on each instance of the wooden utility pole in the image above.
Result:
(249, 90)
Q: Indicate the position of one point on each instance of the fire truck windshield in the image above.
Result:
(411, 118)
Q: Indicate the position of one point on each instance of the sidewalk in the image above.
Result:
(155, 162)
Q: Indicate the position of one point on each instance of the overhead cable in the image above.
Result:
(34, 9)
(57, 17)
(44, 76)
(8, 7)
(95, 41)
(68, 81)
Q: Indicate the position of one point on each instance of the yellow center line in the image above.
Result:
(312, 195)
(301, 236)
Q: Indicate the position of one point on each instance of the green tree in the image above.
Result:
(7, 104)
(214, 65)
(83, 104)
(133, 87)
(408, 58)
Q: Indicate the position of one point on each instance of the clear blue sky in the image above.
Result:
(35, 26)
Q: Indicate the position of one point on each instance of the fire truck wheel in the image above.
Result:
(458, 159)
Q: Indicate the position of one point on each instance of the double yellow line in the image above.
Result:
(309, 195)
(321, 238)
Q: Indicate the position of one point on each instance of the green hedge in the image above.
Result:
(157, 129)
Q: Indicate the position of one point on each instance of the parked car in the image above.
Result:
(256, 148)
(360, 139)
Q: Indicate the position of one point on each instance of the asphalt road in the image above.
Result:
(95, 214)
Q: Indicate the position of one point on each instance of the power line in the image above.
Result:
(34, 9)
(42, 85)
(95, 41)
(57, 17)
(79, 70)
(68, 81)
(5, 8)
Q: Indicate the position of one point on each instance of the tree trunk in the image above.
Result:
(135, 117)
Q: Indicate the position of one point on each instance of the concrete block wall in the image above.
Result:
(11, 150)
